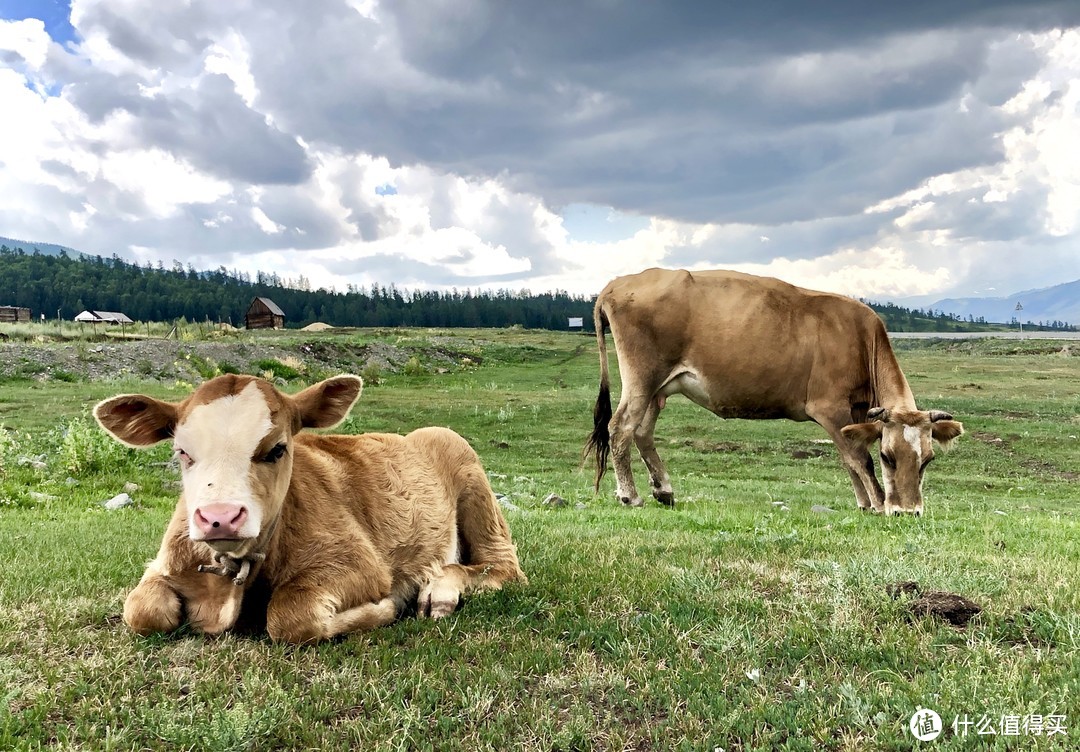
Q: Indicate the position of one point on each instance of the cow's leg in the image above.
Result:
(488, 557)
(622, 428)
(857, 460)
(644, 437)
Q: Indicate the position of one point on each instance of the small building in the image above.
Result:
(14, 315)
(264, 313)
(103, 317)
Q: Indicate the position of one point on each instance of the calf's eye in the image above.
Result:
(275, 454)
(185, 459)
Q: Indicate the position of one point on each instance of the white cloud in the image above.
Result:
(909, 160)
(27, 39)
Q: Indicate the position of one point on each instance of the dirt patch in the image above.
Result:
(711, 447)
(805, 454)
(169, 360)
(1037, 466)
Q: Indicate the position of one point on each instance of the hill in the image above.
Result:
(50, 249)
(1060, 303)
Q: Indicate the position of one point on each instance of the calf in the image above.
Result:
(331, 533)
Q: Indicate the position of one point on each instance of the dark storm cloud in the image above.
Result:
(698, 111)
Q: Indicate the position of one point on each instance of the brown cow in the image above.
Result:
(755, 347)
(329, 533)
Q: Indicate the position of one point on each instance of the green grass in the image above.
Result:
(724, 623)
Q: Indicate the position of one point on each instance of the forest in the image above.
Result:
(60, 286)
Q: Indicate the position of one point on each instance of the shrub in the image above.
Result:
(276, 369)
(205, 367)
(371, 373)
(85, 448)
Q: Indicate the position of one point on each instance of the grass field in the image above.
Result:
(731, 622)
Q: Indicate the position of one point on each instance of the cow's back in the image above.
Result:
(759, 346)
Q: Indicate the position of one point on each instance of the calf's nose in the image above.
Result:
(219, 521)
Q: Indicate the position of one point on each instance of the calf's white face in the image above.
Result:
(234, 440)
(221, 446)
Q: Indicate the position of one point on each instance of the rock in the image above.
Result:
(579, 506)
(819, 509)
(554, 501)
(38, 496)
(69, 481)
(131, 487)
(506, 504)
(118, 502)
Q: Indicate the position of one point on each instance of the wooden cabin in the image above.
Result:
(264, 313)
(14, 315)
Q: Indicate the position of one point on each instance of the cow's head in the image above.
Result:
(233, 438)
(907, 447)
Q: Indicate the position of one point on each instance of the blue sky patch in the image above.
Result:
(600, 224)
(55, 13)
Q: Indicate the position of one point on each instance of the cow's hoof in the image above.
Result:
(667, 498)
(634, 502)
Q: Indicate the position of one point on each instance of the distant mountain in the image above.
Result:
(49, 249)
(1057, 303)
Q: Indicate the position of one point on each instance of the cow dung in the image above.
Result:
(953, 608)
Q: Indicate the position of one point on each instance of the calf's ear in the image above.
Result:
(863, 434)
(137, 420)
(327, 403)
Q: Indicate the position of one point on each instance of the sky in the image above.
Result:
(891, 151)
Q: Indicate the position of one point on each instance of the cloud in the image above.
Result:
(875, 150)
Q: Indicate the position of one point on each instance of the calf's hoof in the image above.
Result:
(626, 501)
(152, 608)
(435, 602)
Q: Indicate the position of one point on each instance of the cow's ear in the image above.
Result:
(945, 432)
(863, 434)
(327, 403)
(137, 420)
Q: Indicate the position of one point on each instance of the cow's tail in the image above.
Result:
(599, 442)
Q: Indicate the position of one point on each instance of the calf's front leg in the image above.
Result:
(153, 606)
(318, 605)
(302, 617)
(159, 603)
(172, 589)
